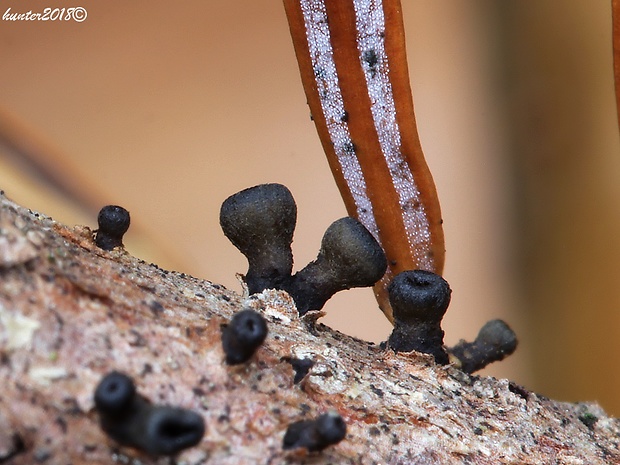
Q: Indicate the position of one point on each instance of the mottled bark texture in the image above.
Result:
(71, 312)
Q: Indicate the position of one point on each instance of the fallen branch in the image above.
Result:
(71, 312)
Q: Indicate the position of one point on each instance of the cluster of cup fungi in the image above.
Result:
(260, 222)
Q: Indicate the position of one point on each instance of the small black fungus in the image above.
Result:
(301, 366)
(113, 224)
(260, 222)
(132, 421)
(419, 300)
(243, 335)
(315, 435)
(349, 257)
(115, 394)
(494, 342)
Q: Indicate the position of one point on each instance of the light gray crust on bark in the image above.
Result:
(71, 312)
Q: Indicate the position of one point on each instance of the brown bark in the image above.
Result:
(70, 312)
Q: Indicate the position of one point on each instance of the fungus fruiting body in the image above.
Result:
(494, 342)
(301, 367)
(113, 224)
(243, 335)
(419, 301)
(315, 435)
(260, 222)
(349, 257)
(115, 394)
(131, 420)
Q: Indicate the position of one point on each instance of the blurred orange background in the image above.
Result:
(167, 109)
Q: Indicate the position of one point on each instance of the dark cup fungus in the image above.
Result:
(419, 300)
(315, 435)
(243, 335)
(349, 257)
(494, 342)
(132, 421)
(113, 224)
(115, 394)
(260, 222)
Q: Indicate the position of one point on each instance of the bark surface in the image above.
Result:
(71, 312)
